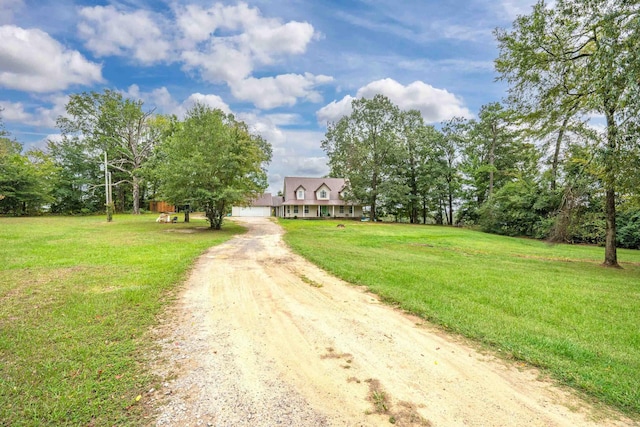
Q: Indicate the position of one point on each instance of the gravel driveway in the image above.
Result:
(261, 337)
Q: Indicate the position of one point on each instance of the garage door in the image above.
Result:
(251, 211)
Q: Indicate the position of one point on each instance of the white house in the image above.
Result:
(316, 197)
(305, 198)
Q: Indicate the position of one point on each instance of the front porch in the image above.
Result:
(318, 211)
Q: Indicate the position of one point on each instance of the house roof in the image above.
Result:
(291, 184)
(264, 200)
(323, 185)
(317, 202)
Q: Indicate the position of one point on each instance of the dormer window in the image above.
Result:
(300, 194)
(322, 192)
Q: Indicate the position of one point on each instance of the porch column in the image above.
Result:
(333, 211)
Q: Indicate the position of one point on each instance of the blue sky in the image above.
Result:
(284, 67)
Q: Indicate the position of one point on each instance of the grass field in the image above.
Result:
(554, 307)
(77, 296)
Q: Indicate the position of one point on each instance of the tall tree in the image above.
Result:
(490, 153)
(447, 174)
(412, 137)
(111, 124)
(583, 55)
(493, 143)
(364, 147)
(212, 161)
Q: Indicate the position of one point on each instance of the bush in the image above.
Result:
(628, 235)
(519, 208)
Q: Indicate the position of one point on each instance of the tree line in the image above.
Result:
(493, 172)
(207, 161)
(532, 165)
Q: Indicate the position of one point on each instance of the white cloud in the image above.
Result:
(54, 137)
(304, 166)
(108, 31)
(295, 152)
(14, 112)
(243, 28)
(333, 111)
(226, 43)
(285, 119)
(48, 116)
(434, 104)
(267, 128)
(32, 61)
(223, 44)
(285, 89)
(220, 63)
(160, 99)
(43, 143)
(40, 116)
(164, 103)
(213, 101)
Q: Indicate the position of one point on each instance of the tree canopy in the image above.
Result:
(109, 123)
(580, 57)
(25, 179)
(365, 148)
(212, 161)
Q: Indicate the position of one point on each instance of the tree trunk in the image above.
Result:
(450, 207)
(374, 195)
(424, 210)
(556, 153)
(186, 214)
(492, 157)
(136, 195)
(610, 253)
(413, 213)
(440, 216)
(373, 207)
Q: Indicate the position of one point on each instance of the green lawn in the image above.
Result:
(552, 306)
(77, 296)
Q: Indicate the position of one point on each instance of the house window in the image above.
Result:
(288, 210)
(323, 194)
(341, 209)
(295, 209)
(350, 209)
(300, 194)
(306, 209)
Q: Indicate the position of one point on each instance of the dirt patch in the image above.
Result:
(187, 230)
(251, 343)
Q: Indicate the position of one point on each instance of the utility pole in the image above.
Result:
(107, 190)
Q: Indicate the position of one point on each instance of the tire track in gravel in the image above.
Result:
(261, 337)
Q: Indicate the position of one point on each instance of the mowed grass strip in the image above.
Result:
(77, 296)
(552, 306)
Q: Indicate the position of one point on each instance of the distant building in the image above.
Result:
(304, 198)
(161, 206)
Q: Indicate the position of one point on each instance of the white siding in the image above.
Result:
(260, 211)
